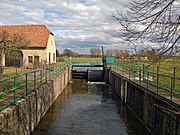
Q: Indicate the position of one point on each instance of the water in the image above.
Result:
(89, 109)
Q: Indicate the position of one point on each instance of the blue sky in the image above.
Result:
(77, 24)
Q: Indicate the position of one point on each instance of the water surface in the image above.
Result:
(87, 109)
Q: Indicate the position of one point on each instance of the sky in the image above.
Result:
(78, 25)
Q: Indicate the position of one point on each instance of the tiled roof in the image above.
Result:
(37, 34)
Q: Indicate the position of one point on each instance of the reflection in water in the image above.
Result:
(133, 125)
(86, 109)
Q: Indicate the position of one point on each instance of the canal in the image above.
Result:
(85, 109)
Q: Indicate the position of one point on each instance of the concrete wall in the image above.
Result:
(156, 113)
(22, 118)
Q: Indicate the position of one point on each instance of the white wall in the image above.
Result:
(40, 53)
(51, 48)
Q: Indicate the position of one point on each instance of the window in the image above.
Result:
(53, 56)
(30, 59)
(51, 42)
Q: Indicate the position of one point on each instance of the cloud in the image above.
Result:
(77, 24)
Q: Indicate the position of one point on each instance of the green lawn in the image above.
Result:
(12, 71)
(165, 67)
(167, 70)
(81, 60)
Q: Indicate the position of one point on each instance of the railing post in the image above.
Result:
(34, 80)
(147, 82)
(41, 75)
(143, 72)
(130, 72)
(49, 74)
(173, 82)
(26, 85)
(140, 75)
(54, 71)
(174, 77)
(15, 90)
(59, 69)
(134, 74)
(121, 68)
(129, 69)
(157, 79)
(171, 88)
(46, 74)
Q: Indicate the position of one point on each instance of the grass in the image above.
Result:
(8, 78)
(166, 67)
(167, 70)
(9, 84)
(74, 60)
(11, 71)
(17, 86)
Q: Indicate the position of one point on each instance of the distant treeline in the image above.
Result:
(147, 55)
(80, 55)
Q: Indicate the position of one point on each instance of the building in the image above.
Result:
(42, 48)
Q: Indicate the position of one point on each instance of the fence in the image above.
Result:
(14, 88)
(165, 85)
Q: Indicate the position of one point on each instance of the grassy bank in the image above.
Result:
(163, 73)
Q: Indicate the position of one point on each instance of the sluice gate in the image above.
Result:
(88, 71)
(79, 74)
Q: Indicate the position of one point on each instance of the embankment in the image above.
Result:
(156, 113)
(24, 116)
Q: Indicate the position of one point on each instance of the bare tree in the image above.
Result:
(95, 52)
(69, 53)
(116, 53)
(110, 52)
(10, 45)
(152, 25)
(123, 54)
(119, 53)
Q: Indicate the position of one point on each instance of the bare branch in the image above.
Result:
(156, 22)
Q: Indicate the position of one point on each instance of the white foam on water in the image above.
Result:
(96, 82)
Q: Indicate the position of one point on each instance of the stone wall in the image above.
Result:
(24, 116)
(156, 113)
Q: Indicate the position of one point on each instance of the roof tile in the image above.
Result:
(37, 34)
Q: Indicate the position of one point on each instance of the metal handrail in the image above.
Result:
(17, 87)
(150, 78)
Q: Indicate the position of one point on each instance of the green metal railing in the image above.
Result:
(165, 85)
(17, 87)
